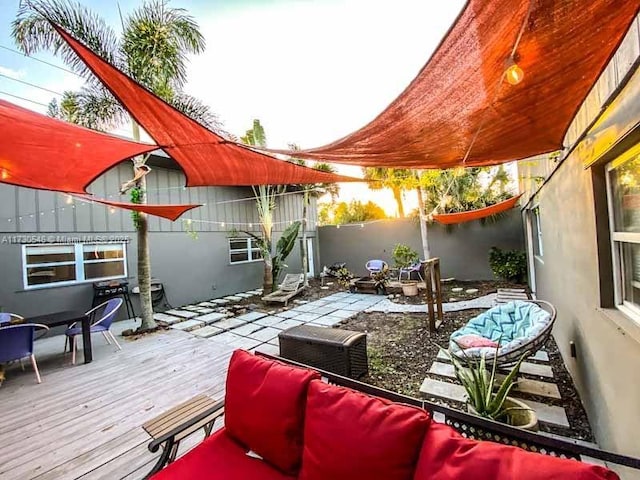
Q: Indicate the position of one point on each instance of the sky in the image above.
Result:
(312, 71)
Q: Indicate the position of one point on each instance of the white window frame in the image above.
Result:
(248, 249)
(617, 239)
(78, 261)
(537, 227)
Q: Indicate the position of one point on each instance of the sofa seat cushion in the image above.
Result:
(447, 455)
(264, 408)
(349, 435)
(219, 457)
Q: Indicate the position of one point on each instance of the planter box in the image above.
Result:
(366, 285)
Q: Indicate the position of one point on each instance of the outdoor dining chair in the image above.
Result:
(108, 311)
(376, 266)
(16, 343)
(416, 267)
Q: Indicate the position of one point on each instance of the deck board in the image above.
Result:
(85, 421)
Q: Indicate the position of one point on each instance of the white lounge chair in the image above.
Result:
(289, 288)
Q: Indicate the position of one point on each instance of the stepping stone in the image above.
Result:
(300, 302)
(227, 338)
(204, 310)
(207, 304)
(327, 321)
(535, 369)
(289, 313)
(247, 329)
(268, 348)
(324, 288)
(243, 295)
(228, 323)
(166, 319)
(450, 391)
(220, 301)
(541, 356)
(471, 290)
(207, 332)
(532, 387)
(182, 313)
(275, 342)
(306, 308)
(188, 325)
(306, 317)
(233, 298)
(245, 343)
(457, 289)
(343, 314)
(446, 390)
(268, 321)
(251, 316)
(190, 307)
(211, 317)
(266, 334)
(289, 323)
(355, 307)
(325, 310)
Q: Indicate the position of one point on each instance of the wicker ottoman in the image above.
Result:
(337, 351)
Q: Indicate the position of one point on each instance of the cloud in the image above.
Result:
(9, 72)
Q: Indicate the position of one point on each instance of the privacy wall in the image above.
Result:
(463, 249)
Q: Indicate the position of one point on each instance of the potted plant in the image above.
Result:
(344, 277)
(380, 282)
(486, 397)
(403, 257)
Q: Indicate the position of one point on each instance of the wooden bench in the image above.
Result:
(175, 424)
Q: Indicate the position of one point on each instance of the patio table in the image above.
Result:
(67, 318)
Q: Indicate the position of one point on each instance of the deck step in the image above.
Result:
(450, 391)
(531, 387)
(527, 368)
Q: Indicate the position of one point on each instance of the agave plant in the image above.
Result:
(484, 394)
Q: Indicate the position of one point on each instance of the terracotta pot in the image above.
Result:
(410, 289)
(524, 417)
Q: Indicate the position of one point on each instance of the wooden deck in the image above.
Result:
(84, 421)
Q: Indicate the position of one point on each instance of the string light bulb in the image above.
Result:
(513, 74)
(112, 210)
(4, 174)
(69, 200)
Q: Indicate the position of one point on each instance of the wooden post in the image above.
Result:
(432, 279)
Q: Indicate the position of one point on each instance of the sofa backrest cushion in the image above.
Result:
(264, 408)
(447, 455)
(349, 435)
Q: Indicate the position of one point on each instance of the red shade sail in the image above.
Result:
(460, 105)
(205, 157)
(461, 217)
(170, 212)
(37, 151)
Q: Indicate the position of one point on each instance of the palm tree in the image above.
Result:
(309, 190)
(152, 49)
(266, 203)
(395, 179)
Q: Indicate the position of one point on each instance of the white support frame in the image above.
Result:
(79, 263)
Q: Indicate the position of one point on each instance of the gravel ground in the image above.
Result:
(401, 351)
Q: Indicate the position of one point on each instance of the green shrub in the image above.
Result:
(404, 256)
(508, 264)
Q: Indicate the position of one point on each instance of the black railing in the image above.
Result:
(480, 428)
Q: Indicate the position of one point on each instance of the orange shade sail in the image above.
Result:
(170, 212)
(461, 217)
(37, 151)
(205, 157)
(461, 110)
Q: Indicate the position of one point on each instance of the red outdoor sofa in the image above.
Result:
(283, 422)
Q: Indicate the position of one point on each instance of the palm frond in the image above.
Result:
(156, 41)
(200, 112)
(32, 32)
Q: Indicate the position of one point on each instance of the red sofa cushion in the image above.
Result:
(349, 435)
(219, 457)
(264, 408)
(447, 455)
